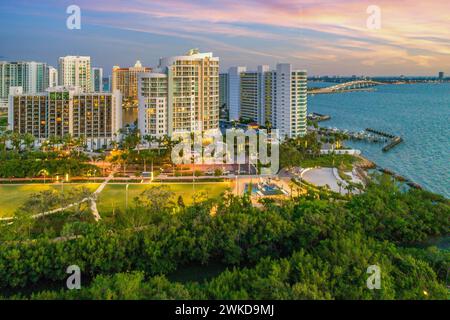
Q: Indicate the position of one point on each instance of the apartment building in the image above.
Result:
(31, 76)
(97, 79)
(67, 110)
(184, 93)
(75, 71)
(272, 98)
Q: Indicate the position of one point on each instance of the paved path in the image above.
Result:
(324, 176)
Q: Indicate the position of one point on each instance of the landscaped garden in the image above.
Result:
(113, 197)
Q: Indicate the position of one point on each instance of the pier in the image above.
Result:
(318, 117)
(395, 140)
(354, 135)
(392, 144)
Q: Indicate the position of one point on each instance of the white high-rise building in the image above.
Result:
(289, 111)
(75, 71)
(52, 76)
(181, 97)
(30, 75)
(252, 95)
(276, 98)
(234, 92)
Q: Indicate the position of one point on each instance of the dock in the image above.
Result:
(318, 117)
(395, 140)
(392, 144)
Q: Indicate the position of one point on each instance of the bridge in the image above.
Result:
(347, 86)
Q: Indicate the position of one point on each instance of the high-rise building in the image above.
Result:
(61, 111)
(107, 84)
(234, 92)
(75, 71)
(97, 79)
(289, 111)
(223, 96)
(153, 104)
(31, 76)
(276, 98)
(182, 97)
(252, 95)
(126, 80)
(52, 77)
(441, 75)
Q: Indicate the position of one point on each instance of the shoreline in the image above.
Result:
(369, 164)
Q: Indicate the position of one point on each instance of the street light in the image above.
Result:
(126, 196)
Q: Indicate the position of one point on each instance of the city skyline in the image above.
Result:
(327, 38)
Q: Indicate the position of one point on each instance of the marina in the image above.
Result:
(404, 111)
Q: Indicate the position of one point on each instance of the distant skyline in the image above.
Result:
(325, 37)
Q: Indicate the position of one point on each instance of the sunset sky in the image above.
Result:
(323, 36)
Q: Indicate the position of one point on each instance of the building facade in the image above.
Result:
(272, 98)
(75, 71)
(223, 96)
(126, 81)
(289, 112)
(234, 92)
(62, 111)
(252, 95)
(153, 108)
(97, 79)
(52, 76)
(31, 76)
(185, 91)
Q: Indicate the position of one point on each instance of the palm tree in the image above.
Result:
(68, 142)
(4, 138)
(44, 172)
(149, 139)
(28, 140)
(16, 140)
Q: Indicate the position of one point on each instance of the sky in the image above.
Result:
(325, 37)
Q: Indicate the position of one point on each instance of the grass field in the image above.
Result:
(112, 197)
(330, 161)
(13, 196)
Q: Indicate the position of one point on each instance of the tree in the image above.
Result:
(16, 140)
(44, 172)
(156, 198)
(180, 202)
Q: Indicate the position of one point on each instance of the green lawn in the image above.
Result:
(113, 196)
(13, 196)
(330, 161)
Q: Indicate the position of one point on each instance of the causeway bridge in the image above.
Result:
(346, 86)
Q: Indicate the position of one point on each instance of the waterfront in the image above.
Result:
(419, 113)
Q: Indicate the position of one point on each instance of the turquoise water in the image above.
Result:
(420, 113)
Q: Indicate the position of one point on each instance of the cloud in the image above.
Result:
(415, 34)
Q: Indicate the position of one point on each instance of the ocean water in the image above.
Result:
(419, 113)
